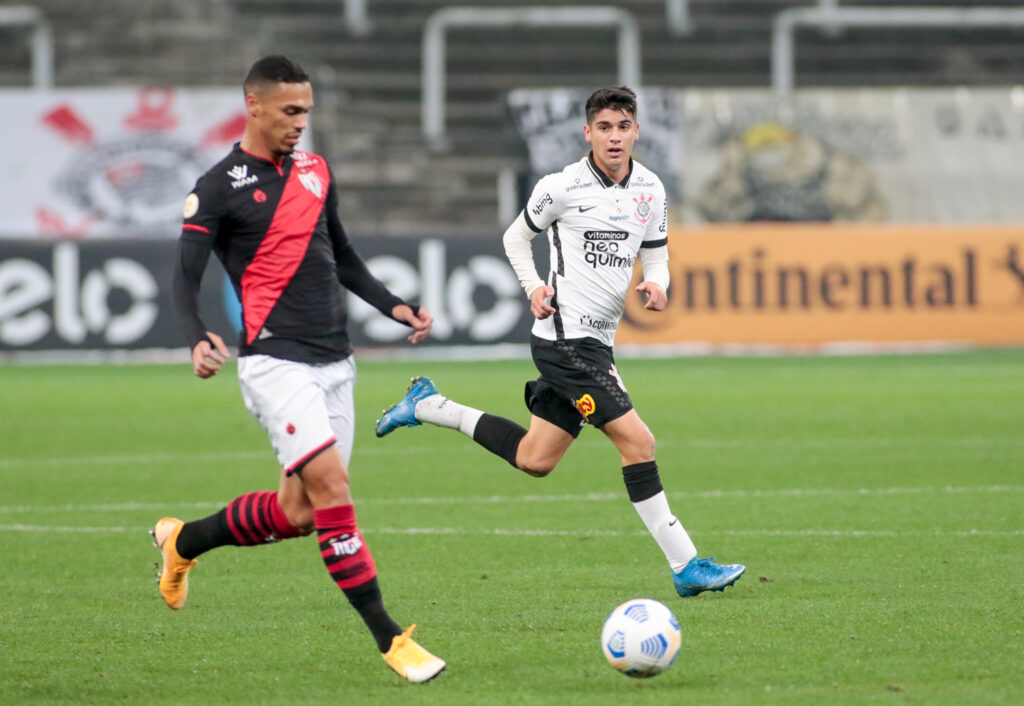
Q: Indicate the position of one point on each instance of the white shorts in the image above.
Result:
(304, 408)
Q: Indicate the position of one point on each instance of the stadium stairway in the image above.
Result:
(368, 94)
(390, 178)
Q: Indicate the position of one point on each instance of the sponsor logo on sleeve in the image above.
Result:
(191, 205)
(541, 203)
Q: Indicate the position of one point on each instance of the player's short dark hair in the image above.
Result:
(620, 99)
(273, 69)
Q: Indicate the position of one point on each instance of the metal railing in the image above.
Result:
(357, 18)
(434, 77)
(677, 14)
(783, 66)
(42, 40)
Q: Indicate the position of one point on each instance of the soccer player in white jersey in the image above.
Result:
(600, 214)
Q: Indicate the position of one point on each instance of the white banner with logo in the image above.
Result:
(109, 162)
(105, 294)
(551, 120)
(922, 155)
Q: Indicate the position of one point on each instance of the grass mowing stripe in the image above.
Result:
(407, 450)
(875, 500)
(133, 459)
(562, 498)
(499, 532)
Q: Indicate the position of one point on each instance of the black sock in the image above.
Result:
(369, 603)
(499, 436)
(203, 535)
(642, 480)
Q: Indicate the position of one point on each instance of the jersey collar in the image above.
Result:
(603, 178)
(278, 165)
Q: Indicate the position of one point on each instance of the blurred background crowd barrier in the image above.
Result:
(839, 172)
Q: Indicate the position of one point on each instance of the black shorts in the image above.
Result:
(578, 384)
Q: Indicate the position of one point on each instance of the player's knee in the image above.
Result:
(647, 445)
(301, 519)
(538, 470)
(536, 466)
(639, 449)
(325, 480)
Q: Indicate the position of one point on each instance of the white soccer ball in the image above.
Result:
(641, 638)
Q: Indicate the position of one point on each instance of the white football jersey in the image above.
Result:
(595, 229)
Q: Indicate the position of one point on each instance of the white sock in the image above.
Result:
(667, 531)
(443, 412)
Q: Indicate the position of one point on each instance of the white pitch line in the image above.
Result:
(111, 507)
(369, 451)
(521, 499)
(139, 459)
(514, 532)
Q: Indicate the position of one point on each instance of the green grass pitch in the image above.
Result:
(878, 503)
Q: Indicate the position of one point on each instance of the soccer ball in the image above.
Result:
(641, 638)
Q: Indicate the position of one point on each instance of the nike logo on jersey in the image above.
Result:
(584, 209)
(674, 520)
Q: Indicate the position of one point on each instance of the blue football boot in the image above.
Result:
(403, 414)
(701, 575)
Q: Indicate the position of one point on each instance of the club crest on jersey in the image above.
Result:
(240, 175)
(586, 406)
(643, 208)
(311, 182)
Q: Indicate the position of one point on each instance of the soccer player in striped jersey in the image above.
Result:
(600, 214)
(269, 212)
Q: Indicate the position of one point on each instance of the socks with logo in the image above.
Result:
(350, 564)
(648, 497)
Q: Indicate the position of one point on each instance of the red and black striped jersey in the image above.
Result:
(275, 228)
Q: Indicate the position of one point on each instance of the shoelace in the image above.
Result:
(402, 640)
